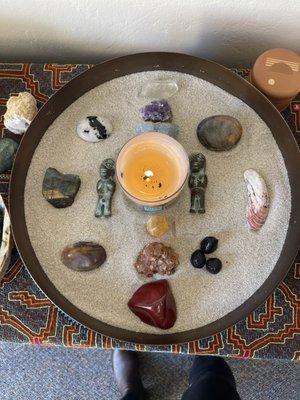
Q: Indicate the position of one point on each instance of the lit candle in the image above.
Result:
(152, 169)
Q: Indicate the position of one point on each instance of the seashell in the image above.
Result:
(219, 132)
(6, 238)
(94, 129)
(20, 112)
(83, 256)
(258, 200)
(60, 189)
(154, 304)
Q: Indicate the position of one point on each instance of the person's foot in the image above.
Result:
(211, 364)
(126, 370)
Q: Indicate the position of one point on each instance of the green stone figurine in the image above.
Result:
(105, 187)
(197, 183)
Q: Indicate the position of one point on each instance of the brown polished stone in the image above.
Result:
(83, 256)
(154, 304)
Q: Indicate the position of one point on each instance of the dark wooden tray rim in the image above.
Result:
(118, 67)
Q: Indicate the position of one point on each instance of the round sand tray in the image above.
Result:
(253, 262)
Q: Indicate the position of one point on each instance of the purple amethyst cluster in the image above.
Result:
(156, 111)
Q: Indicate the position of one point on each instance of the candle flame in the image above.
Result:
(147, 175)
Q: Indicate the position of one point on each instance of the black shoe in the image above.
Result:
(211, 379)
(126, 370)
(211, 364)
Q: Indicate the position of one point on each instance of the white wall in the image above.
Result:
(233, 32)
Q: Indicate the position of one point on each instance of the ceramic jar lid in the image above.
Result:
(276, 73)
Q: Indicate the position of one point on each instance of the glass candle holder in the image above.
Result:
(152, 169)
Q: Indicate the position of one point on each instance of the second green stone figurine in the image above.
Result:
(105, 187)
(197, 183)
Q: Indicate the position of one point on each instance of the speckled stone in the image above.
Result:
(94, 129)
(8, 148)
(162, 127)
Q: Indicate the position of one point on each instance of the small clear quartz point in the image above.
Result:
(160, 89)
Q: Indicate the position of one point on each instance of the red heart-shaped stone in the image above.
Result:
(154, 304)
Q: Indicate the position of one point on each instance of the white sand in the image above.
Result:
(201, 298)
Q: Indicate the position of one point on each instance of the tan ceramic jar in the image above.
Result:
(276, 73)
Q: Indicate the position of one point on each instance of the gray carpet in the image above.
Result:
(38, 373)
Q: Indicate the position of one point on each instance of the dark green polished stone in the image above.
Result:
(60, 189)
(8, 148)
(83, 256)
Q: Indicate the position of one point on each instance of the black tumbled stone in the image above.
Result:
(198, 259)
(209, 244)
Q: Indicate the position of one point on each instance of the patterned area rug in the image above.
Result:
(28, 316)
